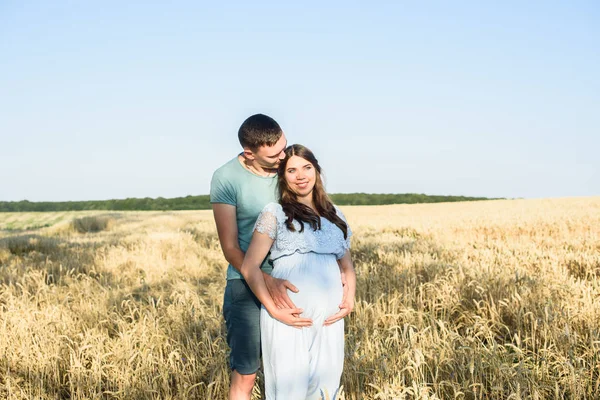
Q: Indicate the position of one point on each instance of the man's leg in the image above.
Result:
(242, 317)
(241, 386)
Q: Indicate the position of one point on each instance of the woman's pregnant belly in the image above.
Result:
(317, 277)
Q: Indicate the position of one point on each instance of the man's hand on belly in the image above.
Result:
(278, 290)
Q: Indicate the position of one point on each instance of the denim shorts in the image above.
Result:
(241, 309)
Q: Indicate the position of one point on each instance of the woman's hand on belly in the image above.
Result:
(346, 308)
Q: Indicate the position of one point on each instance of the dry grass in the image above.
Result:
(92, 223)
(485, 300)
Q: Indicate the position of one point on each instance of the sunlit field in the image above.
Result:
(474, 300)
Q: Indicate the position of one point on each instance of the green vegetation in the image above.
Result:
(26, 221)
(372, 199)
(203, 202)
(130, 204)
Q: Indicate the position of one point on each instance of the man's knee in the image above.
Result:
(243, 328)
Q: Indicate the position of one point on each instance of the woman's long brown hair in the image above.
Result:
(293, 209)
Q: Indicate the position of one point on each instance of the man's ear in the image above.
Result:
(248, 153)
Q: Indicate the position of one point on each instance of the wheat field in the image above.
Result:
(475, 300)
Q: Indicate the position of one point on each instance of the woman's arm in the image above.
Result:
(347, 304)
(259, 248)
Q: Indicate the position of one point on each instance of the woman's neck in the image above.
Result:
(307, 201)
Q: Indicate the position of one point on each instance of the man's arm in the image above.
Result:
(226, 221)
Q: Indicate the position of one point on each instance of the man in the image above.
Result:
(239, 190)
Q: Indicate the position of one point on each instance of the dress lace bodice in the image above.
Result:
(327, 240)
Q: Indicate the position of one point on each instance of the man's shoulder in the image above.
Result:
(230, 173)
(227, 169)
(224, 184)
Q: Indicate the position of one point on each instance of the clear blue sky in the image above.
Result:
(115, 99)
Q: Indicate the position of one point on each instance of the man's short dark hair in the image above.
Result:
(259, 130)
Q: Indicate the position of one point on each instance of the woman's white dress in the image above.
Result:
(304, 363)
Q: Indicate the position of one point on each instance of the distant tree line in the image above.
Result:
(376, 199)
(202, 202)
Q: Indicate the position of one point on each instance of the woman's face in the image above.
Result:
(300, 176)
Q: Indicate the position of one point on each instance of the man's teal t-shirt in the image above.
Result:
(249, 193)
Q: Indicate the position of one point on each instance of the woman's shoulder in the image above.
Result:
(338, 211)
(274, 209)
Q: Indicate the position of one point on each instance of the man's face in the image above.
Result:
(270, 156)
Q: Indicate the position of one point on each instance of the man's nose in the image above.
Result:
(282, 155)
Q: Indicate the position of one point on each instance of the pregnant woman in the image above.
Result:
(309, 241)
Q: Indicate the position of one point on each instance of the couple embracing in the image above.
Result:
(290, 279)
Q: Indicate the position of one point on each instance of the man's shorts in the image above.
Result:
(241, 309)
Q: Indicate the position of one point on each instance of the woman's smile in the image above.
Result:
(300, 175)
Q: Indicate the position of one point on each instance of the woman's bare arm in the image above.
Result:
(347, 305)
(259, 248)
